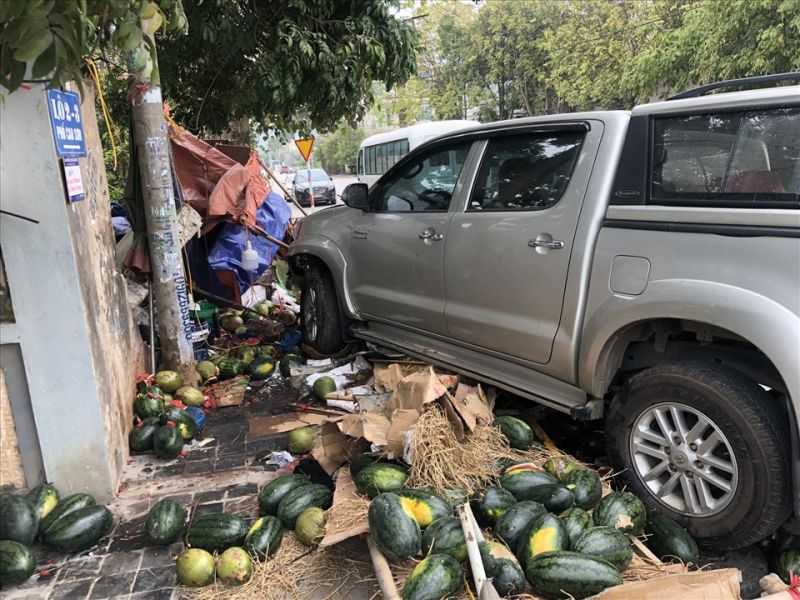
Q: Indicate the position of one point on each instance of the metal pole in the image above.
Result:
(310, 187)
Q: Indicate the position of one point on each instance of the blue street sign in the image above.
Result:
(65, 116)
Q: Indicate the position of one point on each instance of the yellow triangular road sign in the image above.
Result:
(305, 147)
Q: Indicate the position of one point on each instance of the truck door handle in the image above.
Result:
(551, 244)
(430, 234)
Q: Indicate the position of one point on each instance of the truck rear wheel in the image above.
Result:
(706, 446)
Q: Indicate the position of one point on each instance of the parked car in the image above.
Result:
(288, 180)
(639, 266)
(321, 183)
(284, 169)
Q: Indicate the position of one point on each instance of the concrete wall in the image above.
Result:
(78, 341)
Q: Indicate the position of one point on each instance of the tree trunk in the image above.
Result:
(170, 290)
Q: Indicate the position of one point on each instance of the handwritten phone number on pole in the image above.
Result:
(65, 117)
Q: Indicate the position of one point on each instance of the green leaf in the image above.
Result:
(45, 63)
(16, 75)
(18, 29)
(34, 46)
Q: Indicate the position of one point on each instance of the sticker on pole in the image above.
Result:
(305, 147)
(65, 117)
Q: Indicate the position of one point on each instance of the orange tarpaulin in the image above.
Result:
(214, 184)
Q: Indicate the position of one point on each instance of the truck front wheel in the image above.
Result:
(706, 446)
(319, 312)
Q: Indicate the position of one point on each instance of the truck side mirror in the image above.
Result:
(356, 195)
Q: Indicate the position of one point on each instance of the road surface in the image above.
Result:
(341, 182)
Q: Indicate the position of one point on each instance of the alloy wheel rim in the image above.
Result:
(684, 459)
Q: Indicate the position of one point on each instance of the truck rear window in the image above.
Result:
(734, 159)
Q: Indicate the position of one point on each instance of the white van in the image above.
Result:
(379, 152)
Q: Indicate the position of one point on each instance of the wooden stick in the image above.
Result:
(382, 571)
(487, 591)
(644, 550)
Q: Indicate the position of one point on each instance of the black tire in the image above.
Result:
(756, 429)
(319, 312)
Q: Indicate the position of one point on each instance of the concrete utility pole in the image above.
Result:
(170, 289)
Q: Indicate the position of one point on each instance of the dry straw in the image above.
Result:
(441, 461)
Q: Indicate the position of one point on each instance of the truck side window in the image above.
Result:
(715, 158)
(425, 183)
(525, 172)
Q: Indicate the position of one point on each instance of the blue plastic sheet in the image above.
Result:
(272, 216)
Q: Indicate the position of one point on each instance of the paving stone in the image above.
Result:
(170, 470)
(210, 496)
(196, 454)
(128, 543)
(121, 562)
(228, 463)
(158, 556)
(204, 509)
(87, 566)
(247, 489)
(198, 468)
(112, 586)
(153, 579)
(165, 594)
(232, 448)
(72, 590)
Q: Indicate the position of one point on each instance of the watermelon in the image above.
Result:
(545, 534)
(301, 498)
(167, 442)
(310, 526)
(514, 521)
(246, 354)
(576, 521)
(670, 541)
(555, 497)
(435, 577)
(65, 506)
(394, 529)
(445, 536)
(379, 478)
(517, 432)
(323, 386)
(271, 493)
(190, 396)
(502, 567)
(17, 562)
(206, 370)
(261, 368)
(43, 499)
(301, 440)
(622, 510)
(585, 485)
(140, 438)
(230, 321)
(195, 567)
(215, 532)
(234, 566)
(362, 460)
(425, 506)
(489, 503)
(168, 381)
(456, 496)
(79, 530)
(289, 361)
(607, 543)
(521, 482)
(264, 537)
(147, 406)
(230, 368)
(184, 423)
(18, 520)
(784, 562)
(555, 574)
(165, 522)
(559, 466)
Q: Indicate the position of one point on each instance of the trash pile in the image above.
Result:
(448, 498)
(71, 524)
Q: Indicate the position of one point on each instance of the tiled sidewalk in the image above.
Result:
(222, 475)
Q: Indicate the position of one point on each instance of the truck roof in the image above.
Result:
(789, 94)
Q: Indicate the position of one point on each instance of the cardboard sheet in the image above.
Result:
(417, 390)
(345, 490)
(699, 585)
(229, 393)
(370, 426)
(402, 421)
(263, 426)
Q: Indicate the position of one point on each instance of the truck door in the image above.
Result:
(508, 251)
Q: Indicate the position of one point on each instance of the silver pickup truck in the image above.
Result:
(640, 266)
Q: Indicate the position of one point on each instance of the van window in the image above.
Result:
(734, 159)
